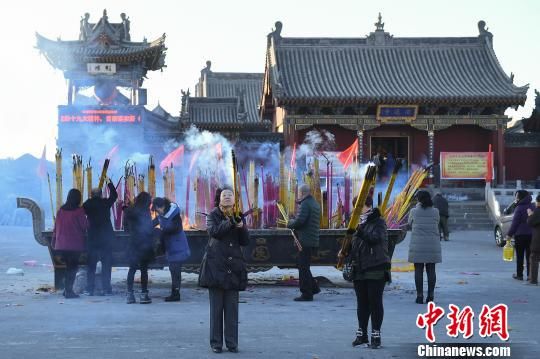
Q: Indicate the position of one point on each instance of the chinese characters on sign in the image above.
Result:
(492, 320)
(68, 114)
(101, 68)
(464, 165)
(397, 114)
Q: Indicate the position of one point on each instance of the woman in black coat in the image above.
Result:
(371, 272)
(224, 273)
(141, 245)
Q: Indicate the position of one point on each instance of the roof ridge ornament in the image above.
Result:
(484, 33)
(276, 33)
(379, 25)
(379, 37)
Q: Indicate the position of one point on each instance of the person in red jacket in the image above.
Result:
(69, 237)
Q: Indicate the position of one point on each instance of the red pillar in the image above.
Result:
(500, 147)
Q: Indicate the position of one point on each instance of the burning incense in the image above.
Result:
(357, 211)
(103, 175)
(151, 177)
(172, 184)
(166, 185)
(89, 179)
(50, 196)
(140, 183)
(390, 187)
(58, 158)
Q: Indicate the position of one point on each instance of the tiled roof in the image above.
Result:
(66, 55)
(210, 111)
(218, 112)
(384, 69)
(231, 84)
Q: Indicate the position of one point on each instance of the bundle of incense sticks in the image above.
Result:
(129, 183)
(140, 183)
(201, 191)
(151, 177)
(103, 175)
(88, 179)
(270, 199)
(283, 177)
(59, 194)
(78, 178)
(166, 184)
(118, 207)
(347, 196)
(172, 185)
(395, 215)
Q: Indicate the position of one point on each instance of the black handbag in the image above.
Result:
(203, 269)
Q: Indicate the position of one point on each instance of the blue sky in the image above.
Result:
(232, 34)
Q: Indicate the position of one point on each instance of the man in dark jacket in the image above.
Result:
(441, 204)
(100, 237)
(534, 222)
(307, 224)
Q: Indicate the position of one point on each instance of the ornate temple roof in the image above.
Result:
(381, 68)
(103, 42)
(232, 85)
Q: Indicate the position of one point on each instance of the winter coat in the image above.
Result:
(534, 222)
(225, 264)
(425, 246)
(370, 245)
(173, 237)
(519, 225)
(441, 204)
(98, 211)
(308, 222)
(141, 235)
(70, 230)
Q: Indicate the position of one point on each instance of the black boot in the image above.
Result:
(145, 299)
(420, 299)
(375, 339)
(130, 299)
(174, 297)
(361, 338)
(429, 298)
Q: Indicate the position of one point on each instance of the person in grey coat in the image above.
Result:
(425, 246)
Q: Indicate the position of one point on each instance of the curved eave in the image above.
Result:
(61, 54)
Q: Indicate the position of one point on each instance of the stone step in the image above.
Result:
(468, 216)
(469, 227)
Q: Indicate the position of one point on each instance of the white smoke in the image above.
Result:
(316, 141)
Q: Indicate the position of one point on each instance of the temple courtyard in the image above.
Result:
(36, 322)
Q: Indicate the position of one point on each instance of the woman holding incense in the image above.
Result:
(224, 272)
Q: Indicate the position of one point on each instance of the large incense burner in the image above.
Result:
(267, 248)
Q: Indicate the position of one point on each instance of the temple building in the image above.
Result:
(412, 97)
(226, 102)
(105, 72)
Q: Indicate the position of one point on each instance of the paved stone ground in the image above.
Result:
(36, 324)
